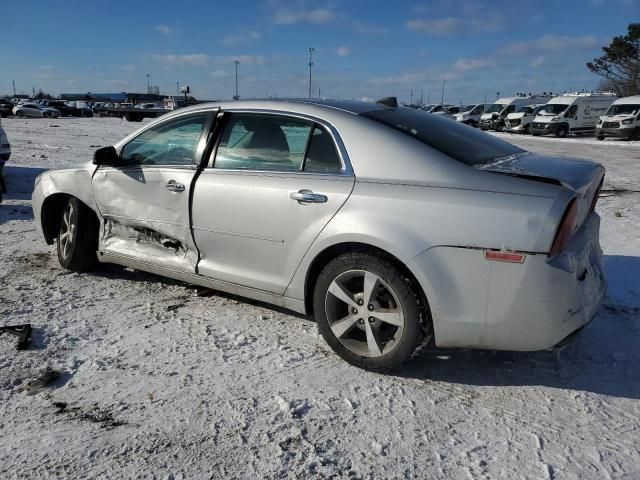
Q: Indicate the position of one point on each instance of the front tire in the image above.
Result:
(562, 131)
(78, 237)
(368, 311)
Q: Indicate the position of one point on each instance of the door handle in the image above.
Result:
(174, 186)
(307, 196)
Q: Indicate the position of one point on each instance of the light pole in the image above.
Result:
(311, 50)
(443, 80)
(148, 83)
(236, 96)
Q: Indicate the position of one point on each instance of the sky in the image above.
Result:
(363, 49)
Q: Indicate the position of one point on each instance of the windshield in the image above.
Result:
(627, 109)
(527, 110)
(553, 109)
(457, 141)
(495, 108)
(467, 108)
(437, 108)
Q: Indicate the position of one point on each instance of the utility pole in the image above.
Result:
(236, 96)
(148, 83)
(443, 80)
(421, 96)
(14, 87)
(411, 98)
(311, 50)
(428, 97)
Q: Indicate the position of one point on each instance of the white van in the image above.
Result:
(470, 115)
(520, 121)
(622, 119)
(571, 113)
(494, 116)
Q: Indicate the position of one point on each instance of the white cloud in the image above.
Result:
(343, 51)
(443, 26)
(412, 78)
(366, 29)
(164, 29)
(240, 38)
(466, 64)
(192, 59)
(317, 16)
(549, 43)
(219, 74)
(244, 59)
(538, 61)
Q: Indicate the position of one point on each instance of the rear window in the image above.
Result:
(460, 142)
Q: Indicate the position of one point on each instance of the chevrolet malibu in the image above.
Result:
(394, 228)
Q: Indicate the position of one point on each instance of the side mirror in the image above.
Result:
(106, 156)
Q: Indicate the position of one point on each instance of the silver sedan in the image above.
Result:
(394, 228)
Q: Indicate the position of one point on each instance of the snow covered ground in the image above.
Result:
(158, 382)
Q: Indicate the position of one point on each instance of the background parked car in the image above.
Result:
(622, 119)
(520, 121)
(571, 113)
(495, 115)
(6, 109)
(471, 114)
(68, 110)
(5, 153)
(33, 110)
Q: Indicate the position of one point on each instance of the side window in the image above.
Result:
(170, 143)
(572, 111)
(322, 156)
(263, 142)
(510, 109)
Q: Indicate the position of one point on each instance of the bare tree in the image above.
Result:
(620, 64)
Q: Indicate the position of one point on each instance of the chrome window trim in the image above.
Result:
(346, 170)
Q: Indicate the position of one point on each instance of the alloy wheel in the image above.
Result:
(364, 313)
(67, 230)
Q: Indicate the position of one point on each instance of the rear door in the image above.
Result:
(272, 185)
(144, 200)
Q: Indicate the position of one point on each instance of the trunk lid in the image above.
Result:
(583, 177)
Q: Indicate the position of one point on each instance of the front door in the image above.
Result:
(144, 200)
(274, 184)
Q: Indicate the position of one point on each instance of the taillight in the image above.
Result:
(565, 229)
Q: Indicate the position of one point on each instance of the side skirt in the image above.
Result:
(194, 279)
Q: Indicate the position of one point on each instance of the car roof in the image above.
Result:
(351, 106)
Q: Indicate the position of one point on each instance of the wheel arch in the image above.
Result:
(333, 251)
(51, 214)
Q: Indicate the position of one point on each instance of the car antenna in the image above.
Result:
(388, 101)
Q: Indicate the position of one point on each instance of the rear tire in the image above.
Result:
(78, 237)
(19, 114)
(368, 311)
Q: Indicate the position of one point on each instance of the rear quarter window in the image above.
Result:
(460, 142)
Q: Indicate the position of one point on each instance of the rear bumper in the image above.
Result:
(532, 306)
